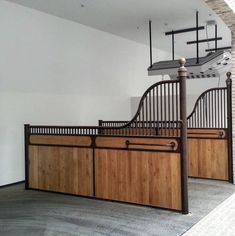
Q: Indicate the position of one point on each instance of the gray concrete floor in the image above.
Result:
(40, 213)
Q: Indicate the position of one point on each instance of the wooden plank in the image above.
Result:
(148, 178)
(61, 140)
(208, 158)
(59, 169)
(119, 142)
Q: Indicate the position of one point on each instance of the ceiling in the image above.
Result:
(129, 19)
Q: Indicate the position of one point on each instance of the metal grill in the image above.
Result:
(210, 110)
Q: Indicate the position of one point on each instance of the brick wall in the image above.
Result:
(221, 8)
(233, 95)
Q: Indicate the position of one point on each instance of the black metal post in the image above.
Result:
(173, 46)
(197, 37)
(100, 123)
(26, 145)
(216, 37)
(150, 43)
(182, 72)
(230, 127)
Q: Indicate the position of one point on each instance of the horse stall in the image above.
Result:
(209, 134)
(142, 162)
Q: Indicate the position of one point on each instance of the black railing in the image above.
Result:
(157, 115)
(210, 110)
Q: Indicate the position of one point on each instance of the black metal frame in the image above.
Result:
(146, 118)
(26, 142)
(150, 43)
(220, 100)
(230, 126)
(222, 127)
(183, 135)
(181, 31)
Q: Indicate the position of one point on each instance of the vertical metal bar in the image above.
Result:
(225, 113)
(157, 101)
(230, 127)
(165, 124)
(154, 111)
(177, 108)
(216, 110)
(173, 46)
(183, 136)
(209, 109)
(26, 145)
(168, 115)
(221, 109)
(200, 112)
(161, 109)
(146, 113)
(150, 110)
(100, 123)
(173, 108)
(216, 37)
(197, 37)
(150, 43)
(143, 118)
(212, 108)
(217, 114)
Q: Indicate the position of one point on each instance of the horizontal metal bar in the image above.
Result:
(204, 40)
(172, 144)
(214, 49)
(184, 30)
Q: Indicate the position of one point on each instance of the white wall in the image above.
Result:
(57, 72)
(54, 71)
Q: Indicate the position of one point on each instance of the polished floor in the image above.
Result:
(40, 213)
(219, 222)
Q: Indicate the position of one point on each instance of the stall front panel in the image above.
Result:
(210, 135)
(134, 163)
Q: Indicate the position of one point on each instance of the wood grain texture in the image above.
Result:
(208, 158)
(149, 178)
(115, 142)
(61, 140)
(67, 170)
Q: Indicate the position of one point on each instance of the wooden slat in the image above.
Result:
(208, 158)
(115, 142)
(67, 170)
(61, 140)
(148, 178)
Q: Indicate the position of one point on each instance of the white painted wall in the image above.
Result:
(54, 71)
(57, 72)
